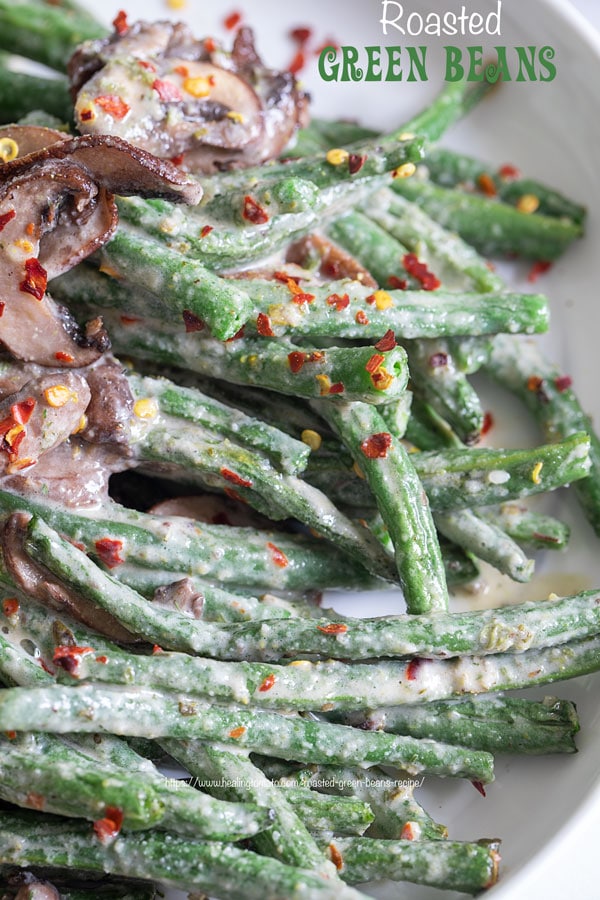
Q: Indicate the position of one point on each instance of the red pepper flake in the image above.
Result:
(12, 442)
(336, 857)
(120, 22)
(538, 268)
(370, 299)
(21, 412)
(109, 551)
(534, 383)
(11, 735)
(253, 211)
(486, 185)
(300, 297)
(129, 320)
(102, 659)
(191, 321)
(5, 218)
(210, 45)
(374, 362)
(296, 360)
(419, 270)
(237, 336)
(146, 64)
(35, 801)
(508, 171)
(206, 229)
(278, 556)
(397, 284)
(107, 829)
(233, 495)
(61, 356)
(267, 684)
(563, 383)
(113, 105)
(412, 669)
(478, 785)
(547, 538)
(2, 307)
(437, 360)
(336, 388)
(10, 607)
(263, 325)
(355, 162)
(340, 301)
(377, 445)
(408, 832)
(236, 733)
(298, 62)
(156, 649)
(333, 628)
(361, 317)
(178, 161)
(387, 342)
(488, 423)
(232, 20)
(36, 279)
(228, 475)
(167, 91)
(285, 278)
(86, 115)
(301, 35)
(182, 70)
(68, 658)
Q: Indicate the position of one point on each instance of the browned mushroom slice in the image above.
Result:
(37, 581)
(37, 890)
(181, 596)
(30, 138)
(42, 414)
(334, 262)
(111, 406)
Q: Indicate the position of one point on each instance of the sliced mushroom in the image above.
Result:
(56, 208)
(333, 262)
(41, 415)
(156, 85)
(41, 584)
(180, 596)
(111, 405)
(37, 890)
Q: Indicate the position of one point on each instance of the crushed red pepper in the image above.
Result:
(2, 308)
(412, 669)
(232, 20)
(374, 362)
(488, 422)
(296, 360)
(21, 412)
(336, 388)
(35, 801)
(397, 284)
(478, 785)
(236, 733)
(120, 22)
(263, 325)
(113, 105)
(419, 270)
(178, 161)
(6, 217)
(253, 211)
(538, 268)
(297, 63)
(167, 91)
(107, 828)
(267, 683)
(191, 321)
(10, 606)
(437, 360)
(109, 551)
(206, 229)
(340, 301)
(508, 171)
(376, 446)
(61, 356)
(278, 556)
(563, 383)
(355, 162)
(36, 279)
(333, 628)
(486, 184)
(234, 478)
(68, 658)
(237, 336)
(408, 832)
(387, 342)
(301, 35)
(361, 317)
(336, 857)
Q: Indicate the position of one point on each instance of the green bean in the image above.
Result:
(44, 33)
(22, 94)
(529, 528)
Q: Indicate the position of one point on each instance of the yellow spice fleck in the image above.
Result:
(405, 170)
(528, 203)
(406, 136)
(235, 115)
(382, 299)
(80, 425)
(324, 383)
(197, 87)
(358, 471)
(176, 4)
(9, 149)
(24, 245)
(303, 663)
(336, 156)
(108, 270)
(535, 474)
(59, 395)
(312, 438)
(146, 408)
(381, 379)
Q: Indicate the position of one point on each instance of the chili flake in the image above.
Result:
(109, 551)
(333, 628)
(387, 342)
(6, 217)
(237, 336)
(253, 211)
(206, 229)
(21, 412)
(167, 91)
(2, 308)
(10, 607)
(107, 829)
(419, 270)
(236, 733)
(102, 659)
(488, 423)
(156, 649)
(267, 684)
(278, 556)
(508, 171)
(377, 445)
(113, 105)
(478, 785)
(437, 360)
(412, 669)
(355, 162)
(35, 801)
(296, 360)
(36, 279)
(486, 184)
(399, 284)
(300, 297)
(210, 45)
(263, 325)
(361, 317)
(340, 301)
(336, 857)
(146, 64)
(234, 478)
(336, 388)
(298, 62)
(300, 35)
(563, 383)
(374, 362)
(191, 321)
(538, 268)
(120, 22)
(178, 160)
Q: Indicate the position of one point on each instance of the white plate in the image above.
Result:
(547, 811)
